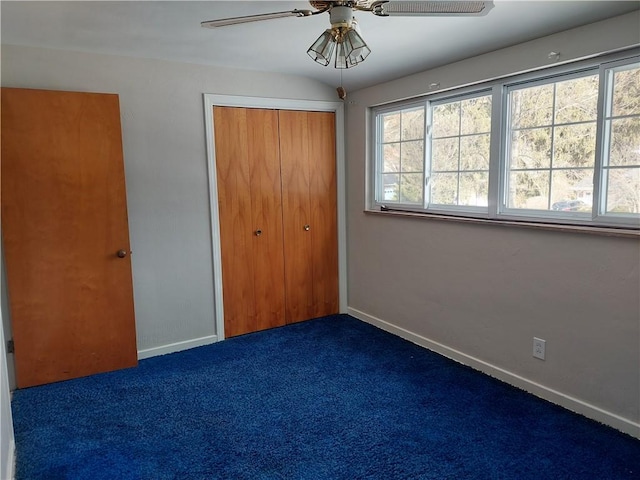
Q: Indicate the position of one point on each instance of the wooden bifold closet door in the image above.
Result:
(250, 206)
(276, 181)
(309, 197)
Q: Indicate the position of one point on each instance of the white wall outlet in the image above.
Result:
(539, 347)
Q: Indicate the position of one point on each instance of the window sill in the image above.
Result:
(592, 230)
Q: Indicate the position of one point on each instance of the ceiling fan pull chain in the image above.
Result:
(342, 93)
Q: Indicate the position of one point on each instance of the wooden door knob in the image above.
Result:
(121, 253)
(307, 228)
(258, 232)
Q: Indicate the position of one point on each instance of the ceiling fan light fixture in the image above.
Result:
(322, 48)
(344, 38)
(344, 35)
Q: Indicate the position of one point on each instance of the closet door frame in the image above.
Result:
(211, 100)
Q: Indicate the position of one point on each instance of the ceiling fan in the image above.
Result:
(344, 36)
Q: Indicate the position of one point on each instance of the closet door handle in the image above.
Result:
(307, 228)
(258, 232)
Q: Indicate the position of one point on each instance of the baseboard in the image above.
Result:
(570, 403)
(176, 347)
(9, 473)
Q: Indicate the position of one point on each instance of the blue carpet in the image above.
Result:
(331, 398)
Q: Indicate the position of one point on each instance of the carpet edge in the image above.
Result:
(568, 402)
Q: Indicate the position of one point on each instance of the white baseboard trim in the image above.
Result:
(570, 403)
(176, 347)
(10, 470)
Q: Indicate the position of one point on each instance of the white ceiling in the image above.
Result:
(400, 45)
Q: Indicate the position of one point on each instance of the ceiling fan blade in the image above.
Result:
(223, 22)
(431, 8)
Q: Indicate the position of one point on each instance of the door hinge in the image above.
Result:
(10, 347)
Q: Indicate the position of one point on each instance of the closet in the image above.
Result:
(277, 201)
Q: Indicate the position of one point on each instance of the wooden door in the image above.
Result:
(308, 162)
(64, 219)
(323, 200)
(250, 211)
(296, 213)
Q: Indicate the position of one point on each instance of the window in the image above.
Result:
(621, 145)
(459, 153)
(401, 167)
(552, 145)
(559, 147)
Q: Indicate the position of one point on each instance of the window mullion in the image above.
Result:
(459, 173)
(426, 191)
(497, 152)
(604, 90)
(552, 145)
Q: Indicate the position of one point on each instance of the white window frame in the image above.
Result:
(497, 209)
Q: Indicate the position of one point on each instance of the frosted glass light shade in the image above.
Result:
(341, 57)
(322, 48)
(355, 48)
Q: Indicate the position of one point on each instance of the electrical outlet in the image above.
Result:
(539, 347)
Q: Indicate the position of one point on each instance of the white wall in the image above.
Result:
(6, 315)
(480, 293)
(166, 171)
(7, 442)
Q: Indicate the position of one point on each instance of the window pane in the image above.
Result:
(476, 115)
(529, 190)
(390, 187)
(623, 192)
(577, 100)
(446, 120)
(572, 190)
(400, 140)
(444, 188)
(574, 145)
(391, 157)
(411, 188)
(391, 127)
(413, 124)
(626, 95)
(532, 107)
(474, 152)
(474, 189)
(531, 148)
(444, 154)
(413, 156)
(625, 142)
(466, 126)
(555, 143)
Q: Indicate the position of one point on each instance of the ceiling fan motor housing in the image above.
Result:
(341, 16)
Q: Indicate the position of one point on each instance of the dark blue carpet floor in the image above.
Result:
(332, 398)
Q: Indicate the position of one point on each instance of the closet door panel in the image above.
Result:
(296, 211)
(323, 202)
(236, 222)
(266, 194)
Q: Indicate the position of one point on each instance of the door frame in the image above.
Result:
(211, 100)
